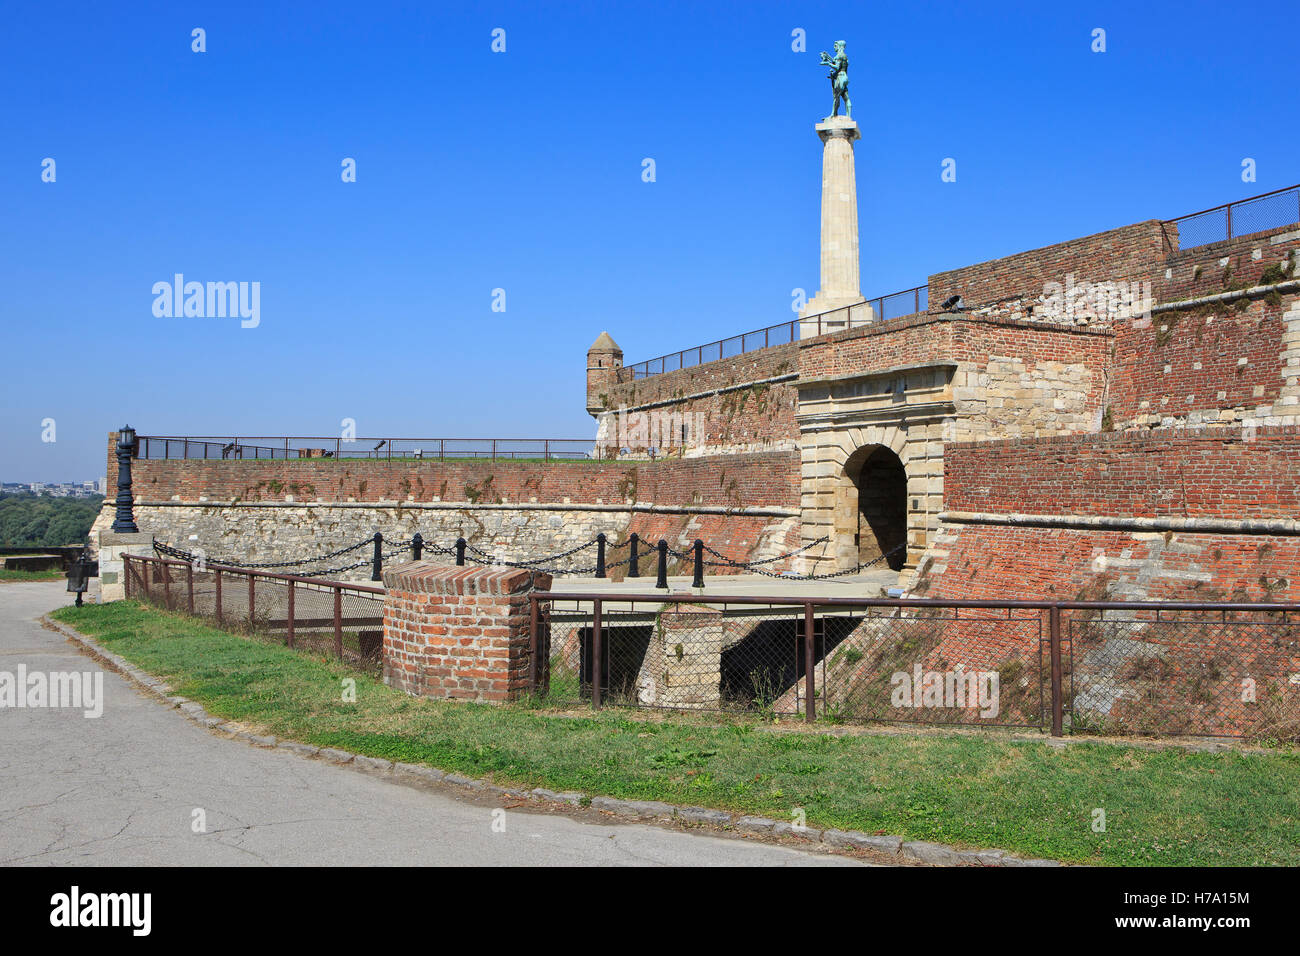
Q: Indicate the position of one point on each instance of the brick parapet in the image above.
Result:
(458, 632)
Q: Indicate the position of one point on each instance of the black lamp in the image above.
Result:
(124, 519)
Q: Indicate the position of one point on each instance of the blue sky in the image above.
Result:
(522, 170)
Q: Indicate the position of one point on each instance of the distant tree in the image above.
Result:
(30, 521)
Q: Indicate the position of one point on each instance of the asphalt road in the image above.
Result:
(122, 789)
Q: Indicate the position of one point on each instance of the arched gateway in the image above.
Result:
(875, 509)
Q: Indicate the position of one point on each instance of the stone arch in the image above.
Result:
(871, 515)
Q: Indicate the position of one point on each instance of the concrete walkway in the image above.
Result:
(122, 790)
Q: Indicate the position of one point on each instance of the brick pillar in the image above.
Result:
(458, 632)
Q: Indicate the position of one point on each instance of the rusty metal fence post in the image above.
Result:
(1058, 691)
(167, 587)
(126, 570)
(338, 622)
(595, 653)
(289, 628)
(810, 680)
(252, 599)
(189, 586)
(217, 580)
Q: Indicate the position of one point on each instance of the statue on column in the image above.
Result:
(839, 77)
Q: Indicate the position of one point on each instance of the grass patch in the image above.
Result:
(1163, 807)
(6, 575)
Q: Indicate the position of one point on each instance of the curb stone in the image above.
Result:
(717, 818)
(802, 833)
(935, 853)
(862, 841)
(572, 797)
(920, 850)
(432, 774)
(305, 749)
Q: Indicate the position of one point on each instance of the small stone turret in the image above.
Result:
(604, 359)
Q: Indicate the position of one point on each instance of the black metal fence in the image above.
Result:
(1224, 670)
(1256, 214)
(885, 307)
(218, 448)
(335, 617)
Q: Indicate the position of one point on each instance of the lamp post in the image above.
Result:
(124, 520)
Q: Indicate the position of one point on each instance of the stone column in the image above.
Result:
(840, 282)
(112, 545)
(683, 664)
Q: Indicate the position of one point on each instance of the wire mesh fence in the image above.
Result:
(857, 663)
(326, 617)
(1257, 214)
(1084, 668)
(1113, 668)
(1226, 674)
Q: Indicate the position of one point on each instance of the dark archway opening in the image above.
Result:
(881, 482)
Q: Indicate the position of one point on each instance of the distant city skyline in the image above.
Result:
(97, 485)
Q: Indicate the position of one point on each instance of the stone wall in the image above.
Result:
(1176, 473)
(914, 385)
(746, 507)
(1013, 286)
(756, 480)
(1206, 514)
(1005, 561)
(1231, 362)
(745, 403)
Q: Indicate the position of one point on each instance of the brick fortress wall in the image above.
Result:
(745, 506)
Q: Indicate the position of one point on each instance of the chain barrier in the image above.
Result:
(790, 576)
(729, 562)
(551, 557)
(189, 556)
(484, 558)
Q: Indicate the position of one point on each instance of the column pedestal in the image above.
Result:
(840, 282)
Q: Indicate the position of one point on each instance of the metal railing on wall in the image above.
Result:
(893, 306)
(1256, 214)
(219, 448)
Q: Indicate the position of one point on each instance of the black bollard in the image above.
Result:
(377, 572)
(663, 564)
(698, 581)
(417, 546)
(460, 552)
(632, 570)
(600, 555)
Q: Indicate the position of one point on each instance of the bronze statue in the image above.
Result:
(839, 77)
